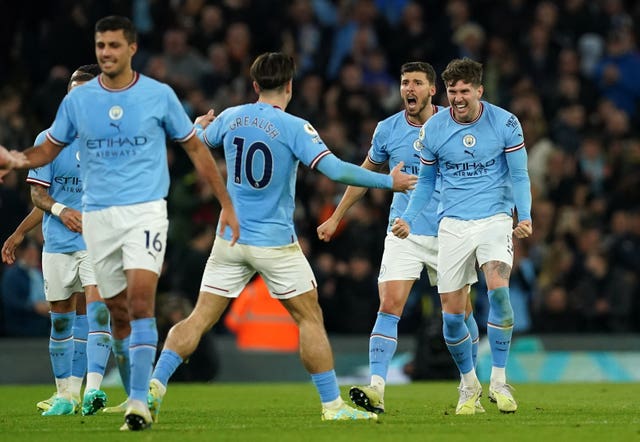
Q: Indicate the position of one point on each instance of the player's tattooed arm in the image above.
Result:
(70, 217)
(41, 198)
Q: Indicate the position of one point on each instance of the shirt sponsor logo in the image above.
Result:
(71, 184)
(474, 168)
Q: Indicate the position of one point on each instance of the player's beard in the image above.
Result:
(421, 105)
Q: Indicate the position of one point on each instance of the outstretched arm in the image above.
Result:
(15, 239)
(41, 154)
(206, 167)
(348, 173)
(10, 160)
(350, 197)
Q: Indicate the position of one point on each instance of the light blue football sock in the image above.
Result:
(327, 385)
(167, 364)
(499, 325)
(99, 340)
(383, 343)
(456, 336)
(80, 332)
(474, 334)
(61, 344)
(142, 352)
(120, 348)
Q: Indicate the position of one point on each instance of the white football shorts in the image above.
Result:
(463, 243)
(284, 269)
(403, 259)
(121, 238)
(66, 274)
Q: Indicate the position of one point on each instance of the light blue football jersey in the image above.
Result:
(62, 179)
(393, 141)
(472, 158)
(122, 137)
(263, 147)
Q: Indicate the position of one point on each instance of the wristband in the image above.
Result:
(57, 208)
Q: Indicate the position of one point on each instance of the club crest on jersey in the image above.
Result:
(469, 140)
(116, 112)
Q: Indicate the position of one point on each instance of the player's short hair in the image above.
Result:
(419, 66)
(116, 23)
(84, 73)
(272, 70)
(462, 69)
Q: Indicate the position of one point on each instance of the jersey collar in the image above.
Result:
(134, 80)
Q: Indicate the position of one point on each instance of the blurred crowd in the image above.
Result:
(569, 70)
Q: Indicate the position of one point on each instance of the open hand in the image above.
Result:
(206, 119)
(228, 218)
(402, 181)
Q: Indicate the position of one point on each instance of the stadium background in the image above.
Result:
(569, 71)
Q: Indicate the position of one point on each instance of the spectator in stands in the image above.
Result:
(25, 310)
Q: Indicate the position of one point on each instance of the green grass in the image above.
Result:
(291, 412)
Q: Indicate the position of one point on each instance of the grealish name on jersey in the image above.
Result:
(260, 123)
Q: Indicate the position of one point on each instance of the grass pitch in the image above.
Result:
(291, 412)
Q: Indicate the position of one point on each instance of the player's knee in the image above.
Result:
(391, 306)
(453, 326)
(501, 312)
(100, 314)
(119, 316)
(61, 324)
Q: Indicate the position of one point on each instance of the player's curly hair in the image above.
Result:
(465, 70)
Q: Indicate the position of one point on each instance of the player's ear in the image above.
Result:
(256, 87)
(133, 48)
(480, 91)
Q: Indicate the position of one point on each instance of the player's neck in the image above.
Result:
(423, 116)
(120, 81)
(274, 100)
